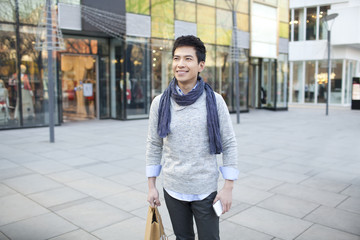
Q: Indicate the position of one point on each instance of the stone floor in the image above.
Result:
(299, 179)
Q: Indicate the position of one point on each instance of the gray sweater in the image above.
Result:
(188, 166)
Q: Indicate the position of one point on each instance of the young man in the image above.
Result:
(189, 124)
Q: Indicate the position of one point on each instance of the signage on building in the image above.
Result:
(355, 100)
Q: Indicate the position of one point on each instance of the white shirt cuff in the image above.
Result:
(229, 173)
(153, 170)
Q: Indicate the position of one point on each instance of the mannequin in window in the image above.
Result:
(27, 97)
(4, 103)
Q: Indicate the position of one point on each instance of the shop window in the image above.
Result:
(311, 23)
(242, 22)
(322, 25)
(283, 30)
(208, 74)
(30, 11)
(223, 27)
(185, 11)
(322, 79)
(162, 19)
(7, 11)
(336, 81)
(207, 2)
(298, 24)
(206, 23)
(282, 81)
(162, 74)
(309, 92)
(138, 6)
(297, 82)
(137, 78)
(223, 84)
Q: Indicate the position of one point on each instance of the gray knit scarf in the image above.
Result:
(213, 125)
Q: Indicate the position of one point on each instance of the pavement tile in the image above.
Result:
(326, 185)
(351, 204)
(128, 200)
(46, 166)
(318, 232)
(70, 176)
(76, 235)
(31, 183)
(309, 194)
(336, 218)
(97, 187)
(280, 175)
(258, 182)
(78, 161)
(13, 172)
(38, 228)
(133, 228)
(4, 164)
(129, 178)
(337, 176)
(249, 195)
(228, 230)
(56, 196)
(16, 207)
(272, 223)
(3, 237)
(5, 190)
(287, 205)
(102, 169)
(353, 190)
(93, 215)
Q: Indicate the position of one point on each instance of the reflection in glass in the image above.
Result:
(30, 11)
(311, 23)
(161, 66)
(7, 11)
(322, 81)
(206, 23)
(162, 19)
(223, 84)
(223, 27)
(322, 26)
(137, 78)
(309, 82)
(299, 25)
(297, 82)
(78, 78)
(282, 81)
(185, 11)
(336, 81)
(208, 74)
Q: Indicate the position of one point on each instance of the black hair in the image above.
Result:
(191, 41)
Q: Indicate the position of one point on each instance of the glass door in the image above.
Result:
(79, 87)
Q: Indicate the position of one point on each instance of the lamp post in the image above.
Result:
(329, 21)
(231, 4)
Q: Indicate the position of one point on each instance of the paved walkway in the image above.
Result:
(300, 179)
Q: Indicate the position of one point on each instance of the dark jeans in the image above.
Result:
(182, 214)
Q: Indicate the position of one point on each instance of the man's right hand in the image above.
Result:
(153, 197)
(153, 194)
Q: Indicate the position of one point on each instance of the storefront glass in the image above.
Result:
(243, 78)
(161, 66)
(137, 77)
(309, 82)
(185, 11)
(282, 81)
(311, 23)
(322, 79)
(223, 83)
(336, 81)
(84, 76)
(297, 82)
(299, 25)
(210, 67)
(322, 25)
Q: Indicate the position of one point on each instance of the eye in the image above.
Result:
(188, 59)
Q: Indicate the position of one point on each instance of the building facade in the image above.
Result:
(117, 56)
(308, 52)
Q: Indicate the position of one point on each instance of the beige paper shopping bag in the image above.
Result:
(154, 227)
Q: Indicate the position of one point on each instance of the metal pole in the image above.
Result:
(50, 72)
(236, 67)
(329, 75)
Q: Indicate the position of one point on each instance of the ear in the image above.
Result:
(201, 66)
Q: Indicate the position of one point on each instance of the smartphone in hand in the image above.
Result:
(218, 208)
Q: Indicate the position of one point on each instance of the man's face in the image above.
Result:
(185, 65)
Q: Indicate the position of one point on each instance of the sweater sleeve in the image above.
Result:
(229, 144)
(154, 143)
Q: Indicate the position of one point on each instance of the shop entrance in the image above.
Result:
(79, 87)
